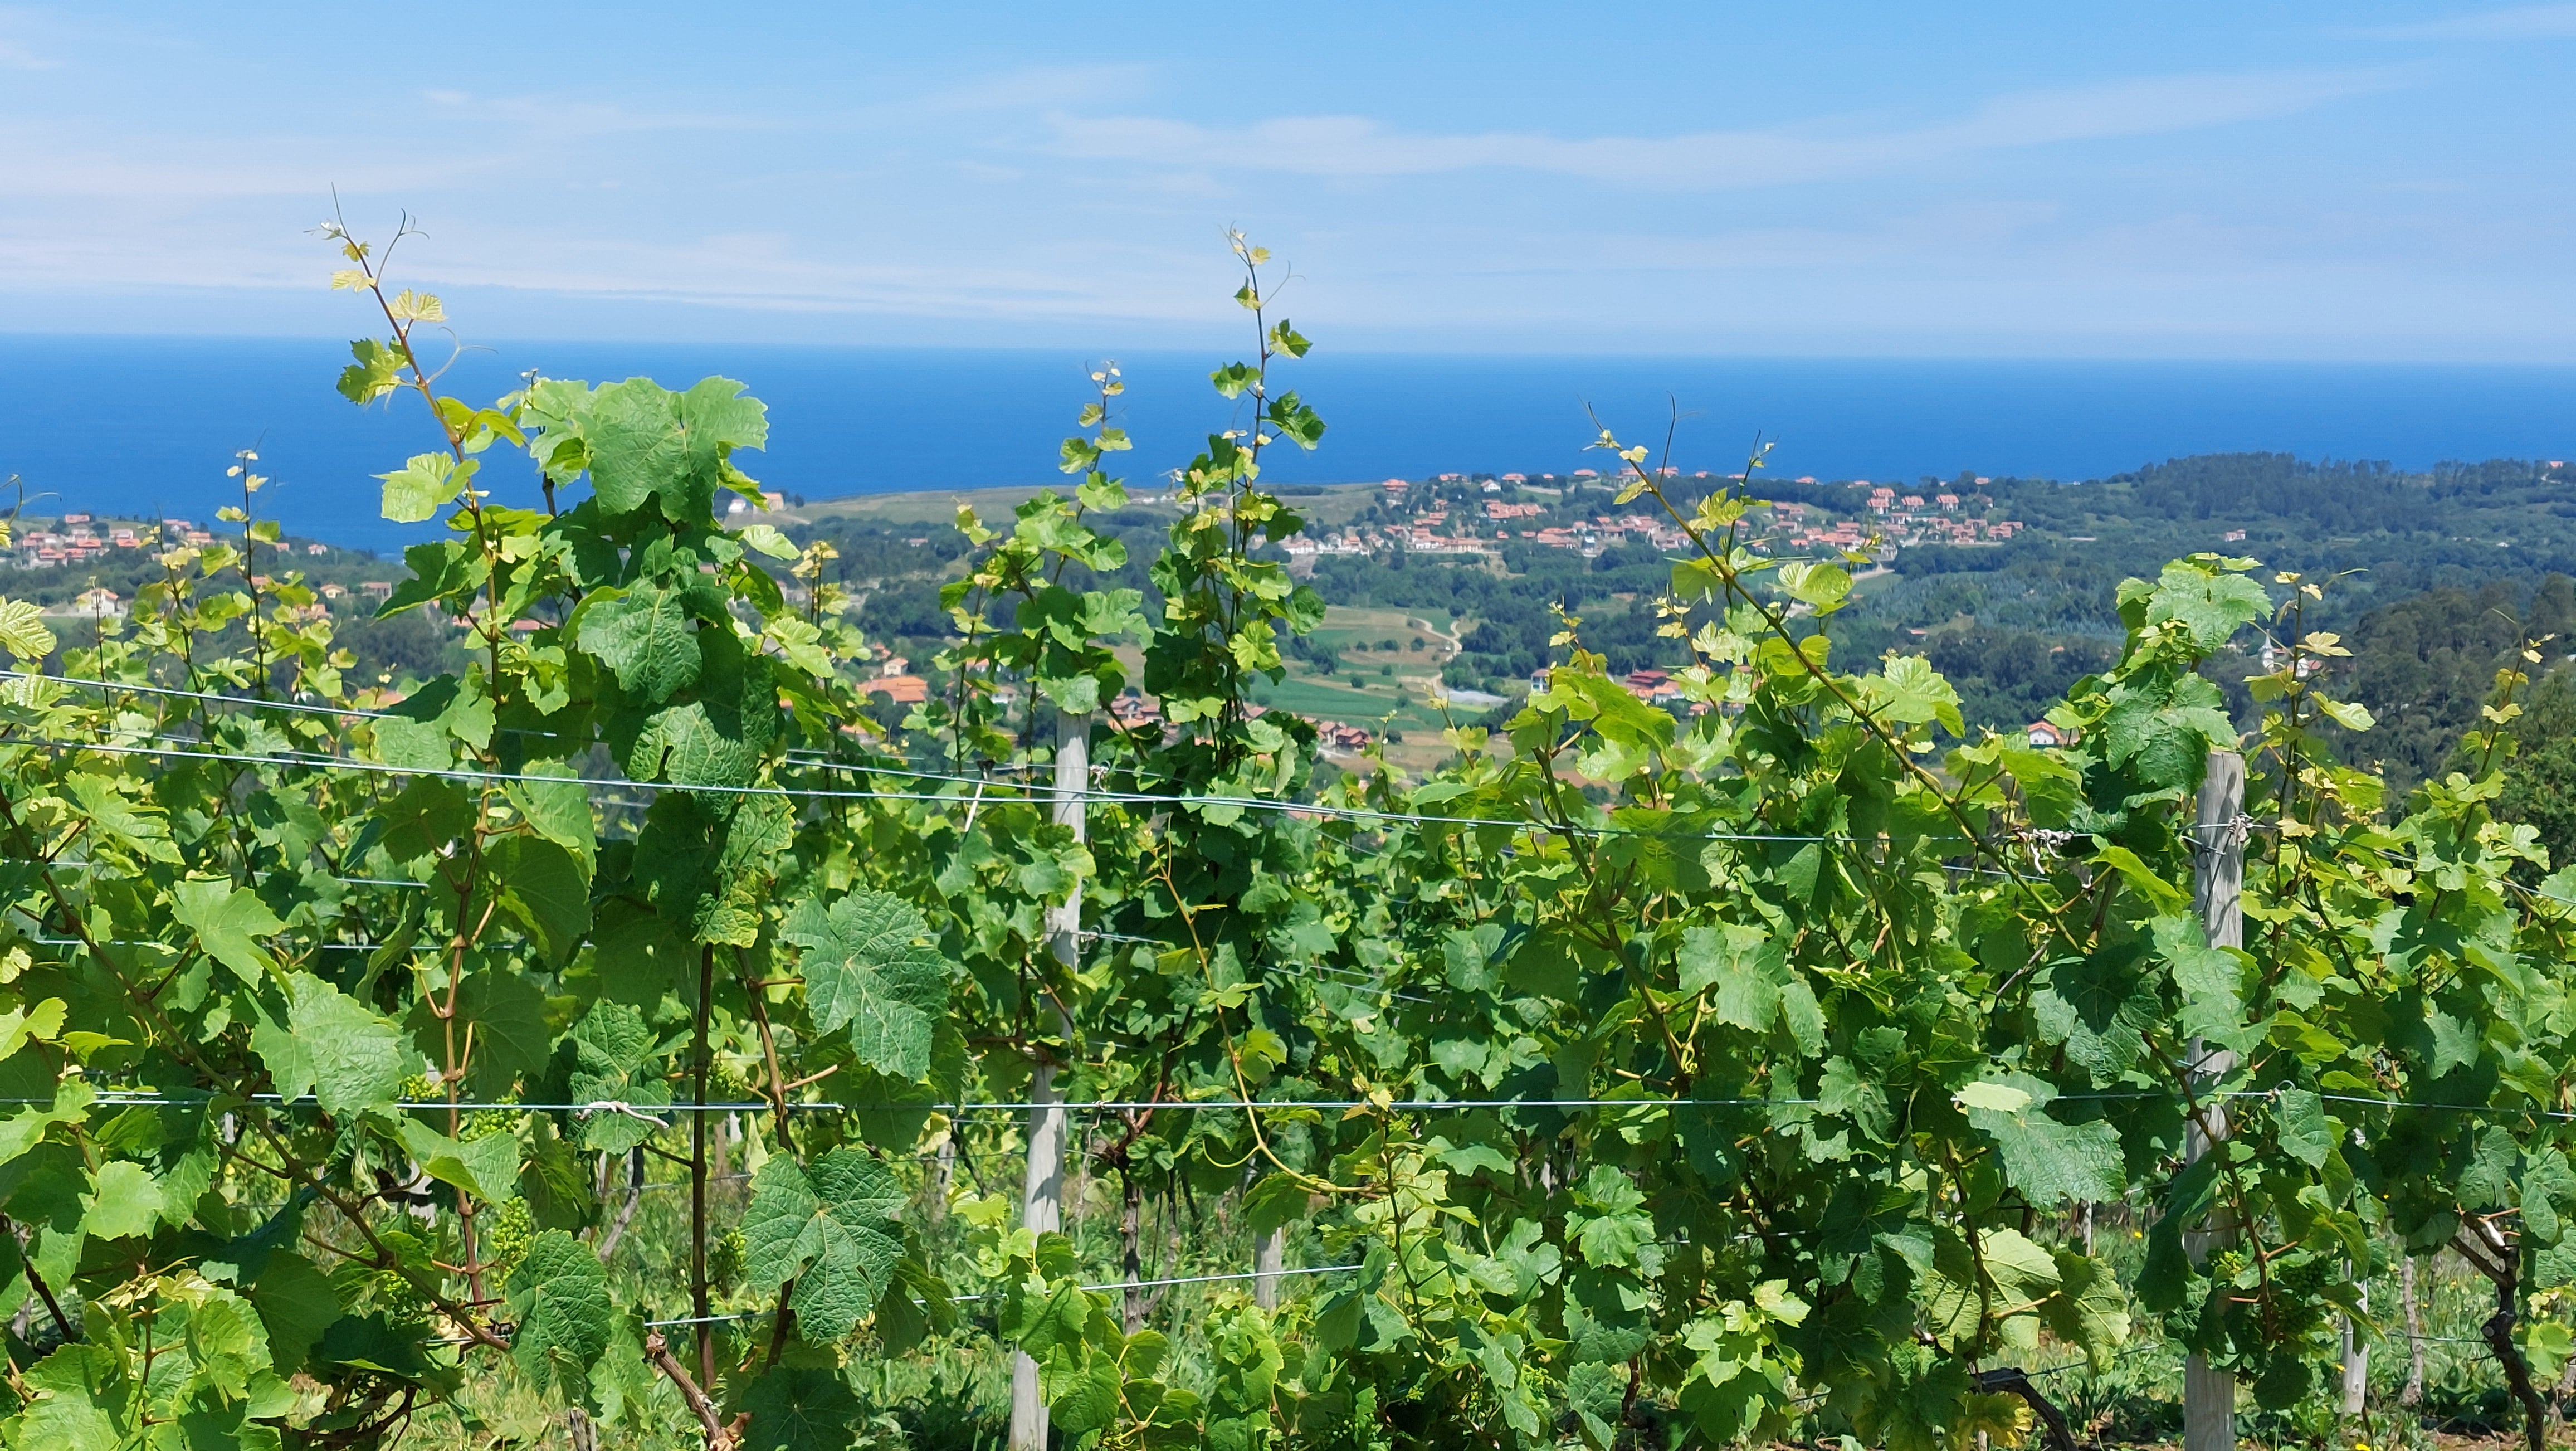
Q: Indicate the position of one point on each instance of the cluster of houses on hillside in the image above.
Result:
(1886, 522)
(1436, 532)
(1892, 520)
(75, 538)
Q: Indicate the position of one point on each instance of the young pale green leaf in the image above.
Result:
(228, 922)
(487, 1167)
(767, 539)
(23, 633)
(1822, 587)
(122, 1203)
(41, 1023)
(1996, 1097)
(23, 1130)
(419, 489)
(1911, 691)
(379, 366)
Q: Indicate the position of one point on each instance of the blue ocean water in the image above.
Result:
(133, 425)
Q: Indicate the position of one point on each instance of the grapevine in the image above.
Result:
(1700, 1074)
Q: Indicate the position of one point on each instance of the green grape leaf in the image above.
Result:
(610, 1046)
(142, 830)
(1744, 964)
(2088, 1309)
(717, 739)
(867, 966)
(23, 633)
(228, 1345)
(1610, 1224)
(557, 806)
(20, 1025)
(487, 1168)
(2048, 1161)
(644, 442)
(2209, 606)
(331, 1046)
(545, 888)
(559, 1296)
(1911, 691)
(2211, 980)
(296, 1302)
(638, 955)
(81, 1396)
(507, 1012)
(429, 814)
(835, 1233)
(648, 636)
(228, 921)
(416, 745)
(2099, 1007)
(122, 1202)
(799, 1408)
(23, 1130)
(424, 485)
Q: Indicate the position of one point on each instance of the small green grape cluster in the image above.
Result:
(503, 1241)
(483, 1123)
(725, 1259)
(399, 1300)
(735, 1075)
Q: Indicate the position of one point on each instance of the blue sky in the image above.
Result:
(2349, 181)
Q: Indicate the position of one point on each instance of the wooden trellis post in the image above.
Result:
(2209, 1396)
(1042, 1193)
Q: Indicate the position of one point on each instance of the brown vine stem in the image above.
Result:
(36, 1282)
(706, 1331)
(658, 1351)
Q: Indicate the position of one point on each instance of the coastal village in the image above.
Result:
(1489, 514)
(1463, 516)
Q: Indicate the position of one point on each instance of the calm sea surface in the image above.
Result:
(133, 425)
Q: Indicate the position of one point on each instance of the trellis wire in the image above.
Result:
(727, 1319)
(1036, 794)
(111, 1098)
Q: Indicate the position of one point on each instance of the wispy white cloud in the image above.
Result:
(1355, 146)
(166, 171)
(1026, 88)
(17, 57)
(2519, 22)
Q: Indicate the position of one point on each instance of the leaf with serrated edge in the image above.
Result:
(833, 1233)
(864, 967)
